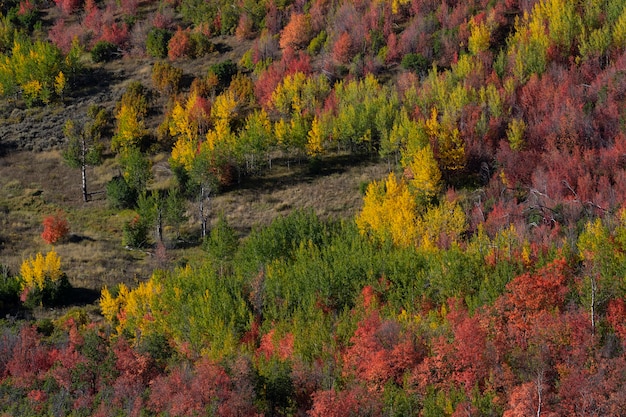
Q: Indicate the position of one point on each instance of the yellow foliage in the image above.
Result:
(281, 130)
(451, 145)
(619, 32)
(444, 223)
(389, 212)
(35, 271)
(130, 127)
(184, 151)
(109, 305)
(426, 176)
(224, 107)
(479, 37)
(314, 145)
(32, 88)
(515, 134)
(60, 83)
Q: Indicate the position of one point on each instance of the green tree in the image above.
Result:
(84, 146)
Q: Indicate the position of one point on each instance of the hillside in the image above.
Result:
(313, 208)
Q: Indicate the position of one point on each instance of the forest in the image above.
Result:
(482, 275)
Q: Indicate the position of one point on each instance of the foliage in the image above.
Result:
(103, 51)
(135, 232)
(55, 228)
(130, 118)
(32, 67)
(43, 282)
(120, 194)
(157, 42)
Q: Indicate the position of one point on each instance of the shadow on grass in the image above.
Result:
(78, 297)
(289, 172)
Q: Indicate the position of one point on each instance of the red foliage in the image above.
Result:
(62, 35)
(135, 371)
(616, 316)
(179, 45)
(356, 401)
(342, 49)
(187, 392)
(93, 19)
(297, 33)
(129, 7)
(527, 311)
(116, 33)
(68, 6)
(379, 352)
(163, 19)
(26, 7)
(30, 359)
(55, 228)
(245, 28)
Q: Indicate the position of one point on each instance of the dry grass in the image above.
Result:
(33, 186)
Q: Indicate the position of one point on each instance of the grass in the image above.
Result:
(33, 186)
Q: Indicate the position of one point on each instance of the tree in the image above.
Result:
(203, 173)
(84, 147)
(55, 228)
(297, 33)
(389, 212)
(130, 116)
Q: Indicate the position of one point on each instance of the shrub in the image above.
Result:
(200, 44)
(103, 51)
(120, 194)
(156, 42)
(135, 233)
(10, 287)
(55, 228)
(43, 282)
(166, 77)
(224, 71)
(179, 45)
(415, 62)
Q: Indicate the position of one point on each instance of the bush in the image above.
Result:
(55, 228)
(415, 62)
(224, 71)
(135, 233)
(120, 195)
(200, 44)
(9, 289)
(103, 51)
(53, 293)
(157, 41)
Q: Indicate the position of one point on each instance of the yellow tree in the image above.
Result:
(423, 172)
(389, 212)
(315, 139)
(130, 113)
(443, 224)
(450, 145)
(36, 271)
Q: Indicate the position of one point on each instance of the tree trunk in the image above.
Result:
(83, 168)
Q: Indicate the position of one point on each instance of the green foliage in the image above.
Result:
(416, 63)
(120, 194)
(156, 42)
(135, 232)
(32, 67)
(222, 242)
(137, 169)
(104, 51)
(10, 288)
(201, 45)
(224, 71)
